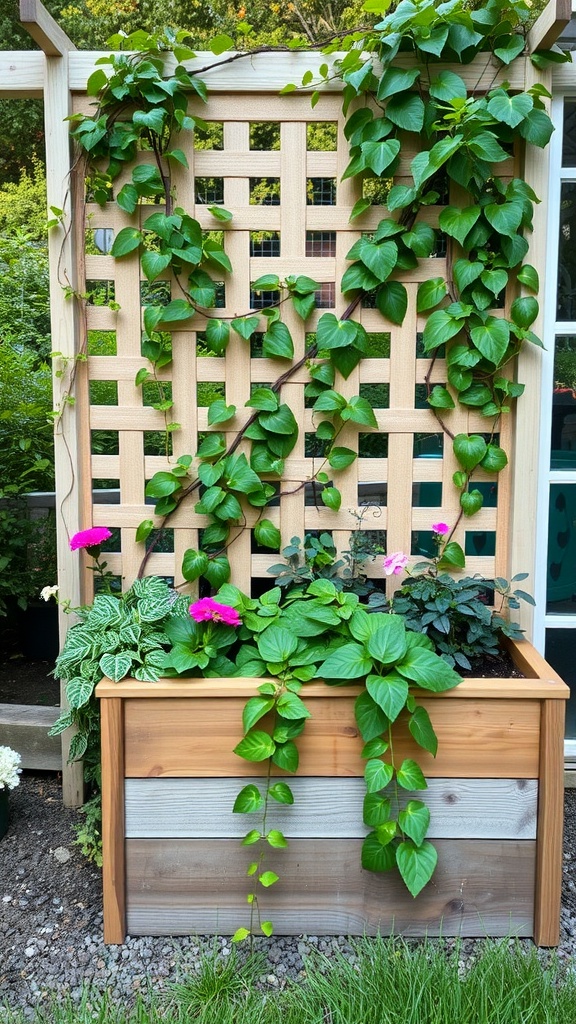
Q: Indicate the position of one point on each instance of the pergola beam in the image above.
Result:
(550, 25)
(44, 29)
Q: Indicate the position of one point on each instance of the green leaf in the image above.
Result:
(277, 342)
(249, 799)
(79, 691)
(396, 80)
(409, 775)
(254, 710)
(422, 730)
(359, 410)
(377, 774)
(144, 530)
(267, 534)
(340, 458)
(471, 502)
(245, 326)
(466, 272)
(217, 335)
(416, 864)
(458, 221)
(240, 934)
(529, 276)
(276, 644)
(347, 662)
(268, 282)
(334, 333)
(440, 327)
(452, 556)
(176, 310)
(447, 86)
(282, 793)
(126, 241)
(280, 422)
(524, 311)
(251, 837)
(267, 928)
(440, 398)
(427, 669)
(414, 820)
(379, 156)
(276, 839)
(256, 746)
(194, 564)
(375, 856)
(286, 756)
(389, 692)
(115, 666)
(430, 293)
(469, 450)
(219, 412)
(505, 218)
(375, 748)
(331, 497)
(407, 111)
(267, 878)
(291, 707)
(392, 301)
(221, 43)
(387, 643)
(495, 459)
(371, 720)
(511, 110)
(179, 156)
(217, 572)
(220, 213)
(376, 810)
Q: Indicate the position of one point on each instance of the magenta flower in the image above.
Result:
(440, 528)
(395, 563)
(91, 538)
(208, 610)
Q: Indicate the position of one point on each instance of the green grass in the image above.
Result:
(387, 981)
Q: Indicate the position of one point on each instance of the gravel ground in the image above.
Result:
(51, 917)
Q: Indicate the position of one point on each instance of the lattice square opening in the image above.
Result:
(264, 135)
(104, 442)
(321, 243)
(264, 191)
(428, 446)
(103, 392)
(208, 191)
(210, 137)
(321, 191)
(321, 136)
(101, 343)
(100, 293)
(373, 445)
(265, 243)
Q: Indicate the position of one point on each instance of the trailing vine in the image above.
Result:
(462, 135)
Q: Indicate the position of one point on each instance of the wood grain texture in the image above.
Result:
(202, 808)
(476, 739)
(113, 872)
(550, 826)
(177, 887)
(44, 29)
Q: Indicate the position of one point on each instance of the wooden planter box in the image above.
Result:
(173, 863)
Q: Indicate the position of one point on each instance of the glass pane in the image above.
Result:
(561, 575)
(560, 644)
(563, 441)
(567, 253)
(569, 137)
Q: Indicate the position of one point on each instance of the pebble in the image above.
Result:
(51, 919)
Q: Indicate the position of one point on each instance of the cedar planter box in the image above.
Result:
(173, 863)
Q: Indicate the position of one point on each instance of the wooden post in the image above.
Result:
(550, 820)
(56, 46)
(113, 878)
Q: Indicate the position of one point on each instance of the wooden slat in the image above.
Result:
(21, 74)
(113, 821)
(44, 29)
(179, 887)
(257, 73)
(202, 808)
(550, 824)
(551, 23)
(476, 739)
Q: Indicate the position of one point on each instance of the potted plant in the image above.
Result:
(9, 779)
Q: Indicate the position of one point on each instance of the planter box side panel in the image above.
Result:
(476, 738)
(199, 886)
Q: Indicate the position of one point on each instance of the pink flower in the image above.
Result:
(395, 563)
(440, 528)
(208, 610)
(91, 538)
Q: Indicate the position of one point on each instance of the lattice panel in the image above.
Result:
(402, 480)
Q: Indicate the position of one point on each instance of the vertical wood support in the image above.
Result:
(550, 820)
(113, 875)
(63, 326)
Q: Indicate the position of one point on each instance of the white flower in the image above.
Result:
(47, 592)
(9, 770)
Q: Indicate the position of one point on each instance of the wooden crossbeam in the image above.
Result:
(44, 29)
(551, 23)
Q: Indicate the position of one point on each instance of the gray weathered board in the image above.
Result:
(202, 808)
(185, 886)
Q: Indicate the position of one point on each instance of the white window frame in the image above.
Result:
(543, 620)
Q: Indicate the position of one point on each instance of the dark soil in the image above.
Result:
(28, 682)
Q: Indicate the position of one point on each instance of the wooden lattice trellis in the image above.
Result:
(402, 480)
